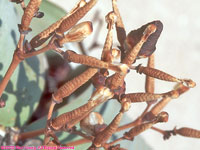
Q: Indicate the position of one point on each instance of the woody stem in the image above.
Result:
(31, 134)
(15, 61)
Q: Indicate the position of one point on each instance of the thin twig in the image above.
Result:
(31, 134)
(77, 142)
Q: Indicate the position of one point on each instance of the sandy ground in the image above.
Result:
(178, 52)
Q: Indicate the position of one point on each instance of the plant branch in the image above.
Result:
(15, 61)
(42, 50)
(31, 134)
(77, 142)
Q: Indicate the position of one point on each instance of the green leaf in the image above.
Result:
(27, 83)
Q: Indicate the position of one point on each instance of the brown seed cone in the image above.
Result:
(156, 74)
(188, 132)
(149, 84)
(64, 119)
(29, 13)
(137, 130)
(162, 117)
(105, 135)
(94, 62)
(75, 17)
(101, 95)
(73, 84)
(141, 97)
(71, 118)
(160, 105)
(43, 36)
(85, 60)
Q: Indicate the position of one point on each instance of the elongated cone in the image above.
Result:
(69, 119)
(162, 117)
(155, 73)
(141, 97)
(160, 105)
(94, 62)
(178, 90)
(150, 82)
(103, 137)
(188, 132)
(64, 119)
(29, 13)
(73, 84)
(74, 17)
(43, 36)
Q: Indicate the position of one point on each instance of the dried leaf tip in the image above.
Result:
(80, 4)
(111, 18)
(180, 88)
(125, 106)
(149, 30)
(107, 94)
(189, 83)
(103, 93)
(115, 53)
(162, 117)
(123, 69)
(93, 123)
(77, 33)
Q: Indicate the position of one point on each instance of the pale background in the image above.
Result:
(178, 52)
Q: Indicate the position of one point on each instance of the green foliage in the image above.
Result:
(27, 83)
